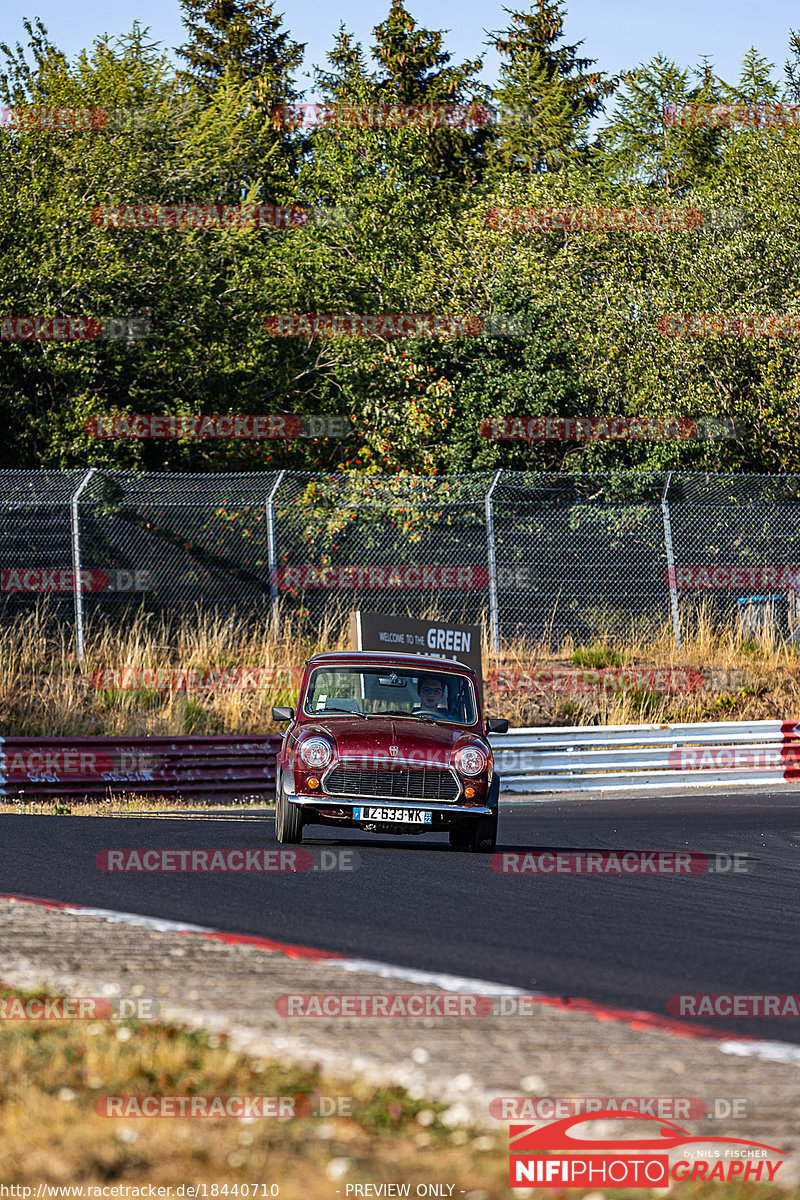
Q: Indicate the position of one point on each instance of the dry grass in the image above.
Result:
(127, 805)
(745, 679)
(53, 1072)
(43, 692)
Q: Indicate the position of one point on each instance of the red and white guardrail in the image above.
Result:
(543, 759)
(219, 767)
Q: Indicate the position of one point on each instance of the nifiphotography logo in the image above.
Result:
(552, 1156)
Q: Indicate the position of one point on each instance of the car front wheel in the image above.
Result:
(478, 835)
(459, 836)
(484, 834)
(288, 821)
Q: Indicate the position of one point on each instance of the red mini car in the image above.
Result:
(390, 743)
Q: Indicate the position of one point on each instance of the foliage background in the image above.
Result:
(416, 239)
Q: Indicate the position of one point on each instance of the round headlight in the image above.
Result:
(470, 760)
(316, 752)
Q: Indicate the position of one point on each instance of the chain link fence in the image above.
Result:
(541, 555)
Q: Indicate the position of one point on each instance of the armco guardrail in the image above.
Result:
(600, 757)
(579, 758)
(219, 767)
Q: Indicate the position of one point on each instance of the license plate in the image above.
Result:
(409, 816)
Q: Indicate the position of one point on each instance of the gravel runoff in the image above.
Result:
(461, 1062)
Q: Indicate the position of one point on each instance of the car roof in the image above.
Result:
(392, 658)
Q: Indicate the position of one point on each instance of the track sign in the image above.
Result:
(406, 635)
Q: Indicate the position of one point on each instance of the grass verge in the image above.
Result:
(54, 1073)
(127, 806)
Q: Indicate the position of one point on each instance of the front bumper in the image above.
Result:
(324, 801)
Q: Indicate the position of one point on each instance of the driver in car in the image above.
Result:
(432, 694)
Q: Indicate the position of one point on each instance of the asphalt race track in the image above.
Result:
(630, 941)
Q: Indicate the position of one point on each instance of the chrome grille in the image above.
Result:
(392, 783)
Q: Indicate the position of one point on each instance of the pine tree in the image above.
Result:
(412, 68)
(242, 39)
(640, 146)
(756, 83)
(349, 82)
(237, 48)
(791, 67)
(547, 91)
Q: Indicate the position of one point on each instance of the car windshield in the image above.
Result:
(398, 691)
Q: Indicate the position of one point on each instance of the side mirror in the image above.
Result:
(287, 714)
(494, 725)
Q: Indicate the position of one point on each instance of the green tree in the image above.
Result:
(756, 83)
(640, 145)
(243, 41)
(411, 67)
(205, 293)
(236, 42)
(791, 68)
(548, 88)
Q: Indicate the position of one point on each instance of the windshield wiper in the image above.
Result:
(349, 711)
(392, 712)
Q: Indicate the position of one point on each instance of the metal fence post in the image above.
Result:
(673, 588)
(272, 555)
(494, 616)
(76, 565)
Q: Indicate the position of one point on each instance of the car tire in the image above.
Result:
(486, 827)
(460, 836)
(479, 835)
(288, 821)
(484, 834)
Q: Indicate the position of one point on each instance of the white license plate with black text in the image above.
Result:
(408, 816)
